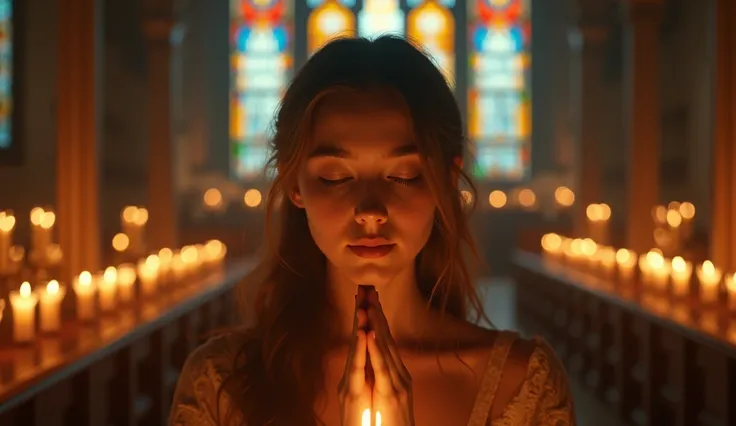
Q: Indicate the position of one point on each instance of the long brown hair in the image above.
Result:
(279, 373)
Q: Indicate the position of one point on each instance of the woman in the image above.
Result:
(368, 146)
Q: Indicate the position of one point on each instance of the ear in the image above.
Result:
(296, 198)
(458, 161)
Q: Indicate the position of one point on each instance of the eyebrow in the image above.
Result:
(332, 150)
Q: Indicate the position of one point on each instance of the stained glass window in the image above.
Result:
(327, 20)
(380, 17)
(6, 72)
(431, 24)
(499, 99)
(261, 63)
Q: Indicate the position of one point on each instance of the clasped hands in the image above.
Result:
(375, 378)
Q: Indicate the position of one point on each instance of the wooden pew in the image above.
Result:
(121, 371)
(657, 362)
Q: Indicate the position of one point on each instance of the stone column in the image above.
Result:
(164, 32)
(587, 39)
(77, 145)
(723, 228)
(642, 115)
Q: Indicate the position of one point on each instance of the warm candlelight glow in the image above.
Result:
(497, 199)
(731, 289)
(120, 242)
(252, 198)
(673, 218)
(687, 210)
(680, 272)
(148, 270)
(50, 307)
(126, 279)
(527, 198)
(133, 222)
(710, 278)
(564, 196)
(212, 198)
(626, 261)
(552, 243)
(84, 287)
(366, 418)
(108, 289)
(23, 302)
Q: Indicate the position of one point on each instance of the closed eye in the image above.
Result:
(405, 181)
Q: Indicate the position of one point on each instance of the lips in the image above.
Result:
(372, 248)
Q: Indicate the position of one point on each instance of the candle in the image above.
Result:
(42, 223)
(598, 217)
(126, 281)
(626, 262)
(107, 288)
(85, 289)
(148, 274)
(710, 278)
(588, 249)
(551, 247)
(680, 272)
(564, 197)
(23, 303)
(177, 267)
(50, 307)
(731, 288)
(190, 257)
(7, 224)
(133, 221)
(366, 418)
(606, 256)
(687, 211)
(216, 252)
(674, 220)
(656, 270)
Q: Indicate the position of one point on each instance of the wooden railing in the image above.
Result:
(121, 370)
(656, 361)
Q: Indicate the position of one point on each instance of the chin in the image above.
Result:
(372, 274)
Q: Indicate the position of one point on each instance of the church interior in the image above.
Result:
(134, 135)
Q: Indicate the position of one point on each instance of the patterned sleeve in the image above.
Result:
(196, 397)
(544, 398)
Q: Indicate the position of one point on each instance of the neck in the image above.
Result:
(404, 307)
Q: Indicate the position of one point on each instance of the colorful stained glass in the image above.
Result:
(499, 99)
(432, 25)
(328, 20)
(381, 17)
(260, 68)
(6, 72)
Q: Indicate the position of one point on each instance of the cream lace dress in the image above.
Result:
(543, 399)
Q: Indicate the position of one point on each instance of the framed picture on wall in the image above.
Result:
(11, 150)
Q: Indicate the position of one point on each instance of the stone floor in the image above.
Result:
(498, 299)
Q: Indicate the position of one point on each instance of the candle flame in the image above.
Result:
(7, 221)
(141, 216)
(366, 419)
(52, 287)
(708, 268)
(110, 275)
(120, 242)
(47, 220)
(37, 215)
(678, 264)
(85, 278)
(25, 289)
(165, 255)
(153, 261)
(687, 210)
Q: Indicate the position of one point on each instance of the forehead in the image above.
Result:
(360, 118)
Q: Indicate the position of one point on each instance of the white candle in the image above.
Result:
(85, 289)
(626, 261)
(24, 303)
(148, 274)
(598, 216)
(681, 271)
(710, 279)
(42, 224)
(50, 307)
(7, 224)
(107, 288)
(656, 269)
(126, 281)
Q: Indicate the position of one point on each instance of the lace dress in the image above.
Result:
(543, 400)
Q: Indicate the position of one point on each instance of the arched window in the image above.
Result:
(6, 72)
(327, 20)
(261, 60)
(431, 24)
(498, 93)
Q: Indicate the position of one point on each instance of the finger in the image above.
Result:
(353, 340)
(357, 367)
(386, 340)
(381, 362)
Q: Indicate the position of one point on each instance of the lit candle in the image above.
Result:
(598, 217)
(551, 247)
(177, 267)
(107, 288)
(148, 274)
(24, 303)
(7, 224)
(710, 279)
(626, 263)
(657, 270)
(674, 222)
(190, 257)
(133, 222)
(50, 307)
(564, 197)
(85, 289)
(588, 249)
(606, 256)
(216, 252)
(42, 224)
(680, 272)
(687, 211)
(731, 288)
(366, 418)
(126, 281)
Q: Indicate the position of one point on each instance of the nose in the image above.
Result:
(371, 211)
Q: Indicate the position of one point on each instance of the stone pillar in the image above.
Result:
(587, 39)
(77, 145)
(723, 228)
(642, 116)
(164, 32)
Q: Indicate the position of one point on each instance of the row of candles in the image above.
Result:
(108, 289)
(655, 270)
